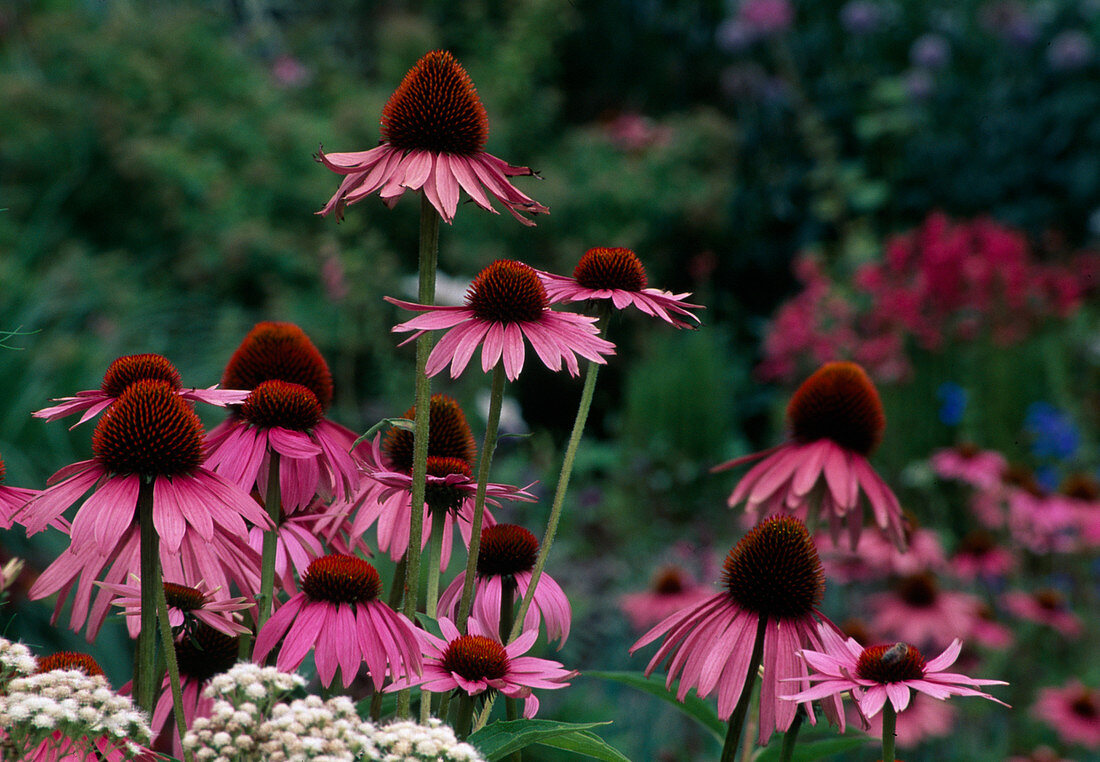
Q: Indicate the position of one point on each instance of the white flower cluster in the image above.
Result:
(406, 741)
(250, 683)
(15, 661)
(311, 729)
(72, 705)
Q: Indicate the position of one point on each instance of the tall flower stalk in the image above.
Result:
(273, 503)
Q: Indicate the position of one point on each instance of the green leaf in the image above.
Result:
(499, 739)
(430, 625)
(586, 744)
(397, 423)
(694, 707)
(813, 750)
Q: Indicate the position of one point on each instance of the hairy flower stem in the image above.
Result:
(790, 738)
(496, 399)
(737, 719)
(431, 605)
(169, 644)
(273, 502)
(590, 374)
(464, 717)
(889, 726)
(429, 254)
(145, 667)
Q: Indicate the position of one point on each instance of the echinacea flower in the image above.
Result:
(918, 611)
(836, 421)
(12, 499)
(1073, 711)
(477, 663)
(505, 304)
(125, 371)
(150, 438)
(1047, 607)
(434, 130)
(188, 605)
(338, 615)
(979, 555)
(283, 351)
(508, 554)
(671, 590)
(884, 673)
(965, 462)
(773, 580)
(616, 274)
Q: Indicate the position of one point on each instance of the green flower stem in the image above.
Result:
(464, 717)
(435, 553)
(273, 502)
(590, 374)
(169, 644)
(145, 668)
(889, 726)
(496, 399)
(737, 720)
(483, 718)
(429, 254)
(790, 738)
(507, 604)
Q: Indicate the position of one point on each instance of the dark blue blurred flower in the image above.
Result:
(1048, 477)
(1053, 432)
(952, 403)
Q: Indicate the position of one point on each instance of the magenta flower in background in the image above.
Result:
(477, 662)
(1047, 607)
(671, 590)
(765, 18)
(884, 673)
(338, 615)
(772, 578)
(188, 605)
(125, 371)
(434, 130)
(508, 554)
(979, 555)
(836, 421)
(616, 274)
(505, 305)
(965, 462)
(918, 611)
(1073, 711)
(875, 557)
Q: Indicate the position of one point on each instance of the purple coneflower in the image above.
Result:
(1047, 607)
(918, 611)
(477, 663)
(1073, 711)
(671, 590)
(617, 274)
(188, 606)
(504, 564)
(774, 583)
(125, 371)
(965, 462)
(434, 130)
(836, 421)
(505, 304)
(12, 499)
(338, 615)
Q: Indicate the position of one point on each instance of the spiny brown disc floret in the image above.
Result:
(126, 370)
(149, 430)
(183, 597)
(449, 436)
(507, 291)
(918, 590)
(774, 570)
(204, 652)
(890, 663)
(1084, 705)
(341, 578)
(444, 497)
(669, 581)
(280, 351)
(70, 660)
(978, 542)
(436, 108)
(506, 550)
(610, 268)
(476, 657)
(838, 402)
(282, 404)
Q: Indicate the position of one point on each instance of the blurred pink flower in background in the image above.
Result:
(919, 612)
(979, 555)
(765, 18)
(875, 557)
(923, 719)
(1073, 711)
(1047, 607)
(671, 590)
(965, 462)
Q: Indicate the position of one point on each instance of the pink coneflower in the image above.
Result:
(434, 130)
(505, 304)
(875, 556)
(188, 605)
(774, 582)
(918, 611)
(988, 632)
(671, 590)
(965, 462)
(617, 274)
(879, 673)
(477, 663)
(504, 564)
(149, 436)
(1073, 711)
(836, 421)
(1047, 607)
(339, 616)
(12, 499)
(297, 543)
(282, 351)
(979, 555)
(125, 371)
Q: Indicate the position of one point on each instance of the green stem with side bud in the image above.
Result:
(737, 719)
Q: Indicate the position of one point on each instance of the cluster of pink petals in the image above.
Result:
(836, 672)
(390, 171)
(795, 475)
(648, 607)
(875, 557)
(12, 500)
(950, 615)
(216, 612)
(92, 402)
(982, 468)
(996, 562)
(343, 635)
(61, 748)
(1037, 608)
(522, 673)
(1072, 711)
(549, 602)
(654, 302)
(297, 542)
(555, 337)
